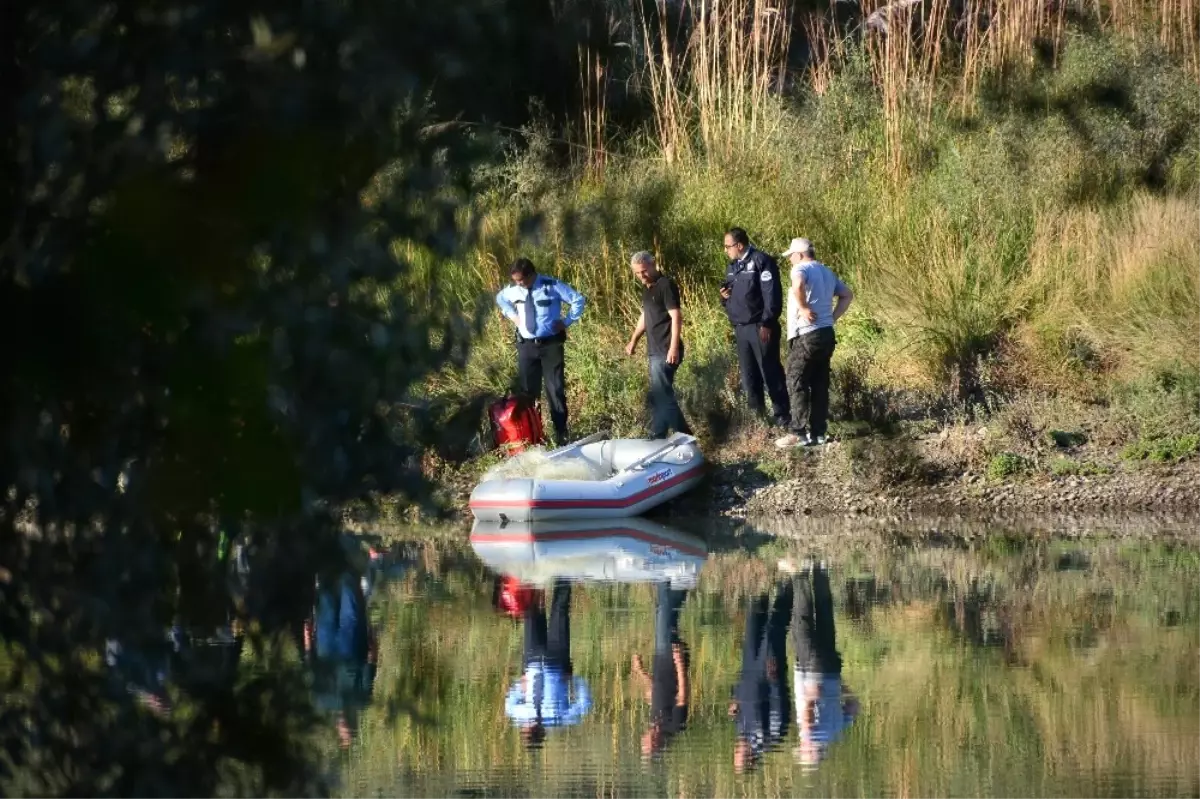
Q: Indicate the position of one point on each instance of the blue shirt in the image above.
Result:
(543, 302)
(820, 286)
(546, 687)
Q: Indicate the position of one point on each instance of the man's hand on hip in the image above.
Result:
(764, 335)
(558, 326)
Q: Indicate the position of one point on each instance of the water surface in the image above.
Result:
(973, 662)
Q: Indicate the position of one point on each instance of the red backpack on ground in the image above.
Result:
(517, 423)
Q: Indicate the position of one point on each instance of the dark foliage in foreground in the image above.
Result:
(198, 208)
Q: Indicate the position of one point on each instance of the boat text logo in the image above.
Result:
(658, 477)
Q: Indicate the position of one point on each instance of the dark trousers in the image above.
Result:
(665, 414)
(763, 693)
(759, 364)
(808, 362)
(813, 632)
(668, 604)
(550, 642)
(538, 361)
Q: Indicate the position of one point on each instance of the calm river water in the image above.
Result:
(682, 659)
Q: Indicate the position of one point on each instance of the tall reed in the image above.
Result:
(715, 84)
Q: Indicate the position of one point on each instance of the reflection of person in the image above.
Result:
(824, 709)
(548, 693)
(668, 689)
(342, 651)
(761, 707)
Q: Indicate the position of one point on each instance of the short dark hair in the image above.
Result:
(522, 267)
(739, 236)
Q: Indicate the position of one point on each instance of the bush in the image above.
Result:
(1162, 450)
(1007, 464)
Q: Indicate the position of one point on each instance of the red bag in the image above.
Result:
(513, 597)
(517, 423)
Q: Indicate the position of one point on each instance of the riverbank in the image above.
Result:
(956, 470)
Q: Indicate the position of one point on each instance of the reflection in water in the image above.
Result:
(621, 650)
(824, 708)
(761, 705)
(341, 650)
(668, 689)
(549, 693)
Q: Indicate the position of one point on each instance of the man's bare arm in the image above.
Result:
(676, 333)
(638, 331)
(844, 297)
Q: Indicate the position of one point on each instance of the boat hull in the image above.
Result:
(627, 550)
(627, 493)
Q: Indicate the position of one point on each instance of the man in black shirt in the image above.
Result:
(668, 689)
(662, 323)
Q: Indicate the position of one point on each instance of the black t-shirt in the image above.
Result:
(664, 691)
(657, 299)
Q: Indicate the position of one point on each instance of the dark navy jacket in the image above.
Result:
(757, 296)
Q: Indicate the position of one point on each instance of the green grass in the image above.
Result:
(1026, 249)
(1069, 467)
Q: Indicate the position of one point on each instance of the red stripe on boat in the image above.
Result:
(633, 499)
(571, 535)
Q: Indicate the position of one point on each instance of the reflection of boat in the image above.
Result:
(632, 550)
(640, 475)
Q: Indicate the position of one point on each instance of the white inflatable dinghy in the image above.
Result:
(632, 550)
(636, 475)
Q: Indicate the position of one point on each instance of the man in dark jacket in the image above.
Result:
(762, 705)
(753, 299)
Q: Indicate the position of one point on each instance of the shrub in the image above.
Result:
(1162, 450)
(1007, 464)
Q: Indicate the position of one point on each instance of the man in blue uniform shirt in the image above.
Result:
(533, 303)
(548, 694)
(753, 299)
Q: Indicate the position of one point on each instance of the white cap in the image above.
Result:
(799, 245)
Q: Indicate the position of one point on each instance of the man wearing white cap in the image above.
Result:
(811, 314)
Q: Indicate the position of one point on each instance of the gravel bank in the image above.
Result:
(744, 491)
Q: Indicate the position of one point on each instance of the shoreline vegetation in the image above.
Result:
(1014, 201)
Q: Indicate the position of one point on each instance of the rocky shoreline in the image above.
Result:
(744, 490)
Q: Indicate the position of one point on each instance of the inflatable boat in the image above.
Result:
(633, 550)
(635, 476)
